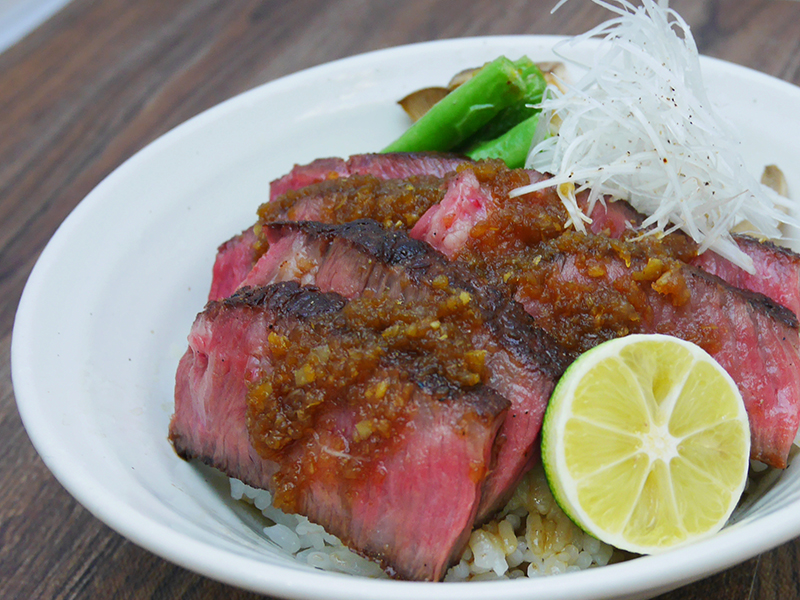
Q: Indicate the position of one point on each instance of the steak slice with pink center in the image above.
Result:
(753, 339)
(329, 200)
(585, 289)
(446, 225)
(776, 269)
(411, 504)
(398, 478)
(362, 258)
(225, 357)
(383, 166)
(234, 260)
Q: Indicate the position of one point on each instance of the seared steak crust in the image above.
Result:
(361, 258)
(287, 300)
(393, 248)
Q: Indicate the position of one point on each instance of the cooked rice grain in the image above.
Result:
(307, 541)
(530, 537)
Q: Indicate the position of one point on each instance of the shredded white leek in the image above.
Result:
(638, 126)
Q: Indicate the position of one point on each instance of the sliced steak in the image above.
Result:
(447, 224)
(362, 258)
(388, 201)
(388, 456)
(408, 499)
(465, 215)
(381, 166)
(467, 201)
(225, 357)
(584, 302)
(302, 175)
(463, 202)
(235, 259)
(777, 271)
(585, 289)
(390, 188)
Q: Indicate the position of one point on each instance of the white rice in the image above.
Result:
(530, 537)
(308, 542)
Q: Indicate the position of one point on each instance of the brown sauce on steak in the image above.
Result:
(370, 358)
(590, 288)
(391, 202)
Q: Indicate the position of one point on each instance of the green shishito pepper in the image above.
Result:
(465, 110)
(517, 112)
(493, 115)
(512, 147)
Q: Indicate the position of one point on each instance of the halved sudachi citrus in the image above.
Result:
(646, 443)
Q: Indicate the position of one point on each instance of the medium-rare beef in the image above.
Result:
(585, 289)
(382, 166)
(234, 260)
(389, 201)
(302, 175)
(412, 507)
(390, 188)
(540, 216)
(225, 357)
(362, 258)
(449, 222)
(467, 201)
(777, 271)
(291, 389)
(392, 202)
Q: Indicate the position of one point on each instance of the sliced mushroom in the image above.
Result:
(555, 73)
(418, 103)
(773, 177)
(462, 77)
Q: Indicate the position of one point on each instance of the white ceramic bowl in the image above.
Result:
(105, 314)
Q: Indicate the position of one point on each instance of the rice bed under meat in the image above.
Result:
(530, 537)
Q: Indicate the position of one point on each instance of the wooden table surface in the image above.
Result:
(103, 78)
